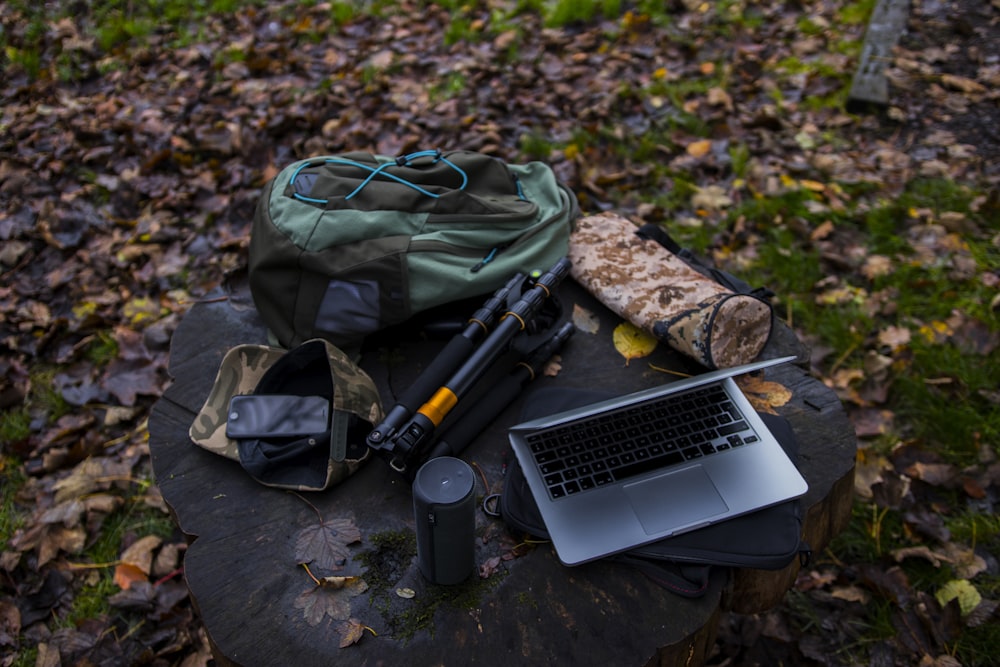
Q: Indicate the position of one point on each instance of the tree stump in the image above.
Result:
(261, 606)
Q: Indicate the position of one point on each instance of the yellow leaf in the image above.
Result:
(84, 310)
(699, 148)
(141, 309)
(632, 342)
(967, 595)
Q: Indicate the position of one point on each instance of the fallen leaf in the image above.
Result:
(336, 583)
(764, 395)
(632, 342)
(876, 266)
(325, 543)
(584, 320)
(552, 367)
(140, 553)
(711, 197)
(935, 474)
(965, 561)
(351, 632)
(699, 148)
(895, 337)
(851, 594)
(487, 569)
(319, 602)
(962, 84)
(127, 574)
(824, 230)
(10, 623)
(921, 551)
(962, 590)
(982, 614)
(719, 97)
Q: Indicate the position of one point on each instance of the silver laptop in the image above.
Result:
(617, 474)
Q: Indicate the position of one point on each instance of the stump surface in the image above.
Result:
(260, 605)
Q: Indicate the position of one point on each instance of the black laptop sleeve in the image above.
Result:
(768, 539)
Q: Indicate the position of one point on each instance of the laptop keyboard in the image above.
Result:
(615, 445)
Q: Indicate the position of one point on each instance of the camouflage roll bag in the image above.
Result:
(656, 290)
(310, 459)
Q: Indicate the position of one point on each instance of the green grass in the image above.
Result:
(12, 517)
(870, 537)
(112, 24)
(134, 519)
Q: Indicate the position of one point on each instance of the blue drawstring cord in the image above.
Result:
(382, 170)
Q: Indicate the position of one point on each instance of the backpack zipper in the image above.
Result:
(537, 228)
(489, 257)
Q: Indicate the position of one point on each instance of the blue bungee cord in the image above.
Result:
(400, 161)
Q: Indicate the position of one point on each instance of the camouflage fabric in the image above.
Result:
(241, 372)
(646, 284)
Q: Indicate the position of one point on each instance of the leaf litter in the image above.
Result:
(127, 192)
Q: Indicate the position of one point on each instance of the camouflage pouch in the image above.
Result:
(307, 461)
(654, 289)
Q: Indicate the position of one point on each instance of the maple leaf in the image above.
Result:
(325, 543)
(351, 633)
(321, 601)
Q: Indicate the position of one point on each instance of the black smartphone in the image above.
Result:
(273, 415)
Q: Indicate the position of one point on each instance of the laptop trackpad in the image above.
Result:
(675, 499)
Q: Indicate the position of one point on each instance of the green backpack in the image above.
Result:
(343, 246)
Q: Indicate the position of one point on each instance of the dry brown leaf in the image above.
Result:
(876, 266)
(851, 594)
(764, 395)
(966, 562)
(718, 97)
(325, 543)
(553, 366)
(351, 632)
(319, 602)
(58, 539)
(822, 231)
(584, 320)
(962, 84)
(140, 553)
(711, 198)
(936, 474)
(922, 551)
(336, 583)
(10, 623)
